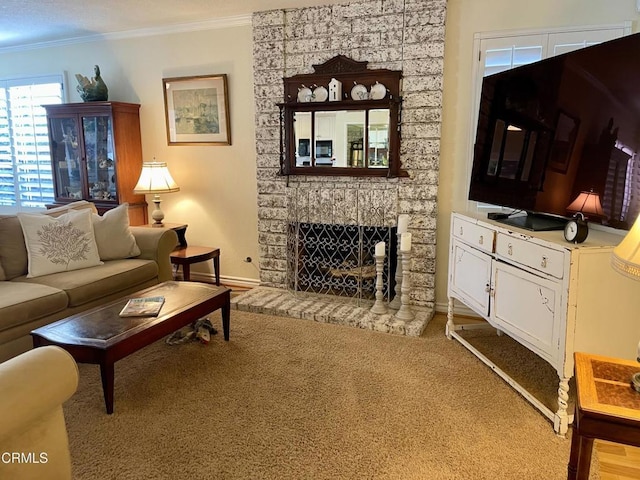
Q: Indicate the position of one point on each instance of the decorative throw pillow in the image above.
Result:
(59, 244)
(113, 235)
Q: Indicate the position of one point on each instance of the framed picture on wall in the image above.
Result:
(197, 110)
(563, 141)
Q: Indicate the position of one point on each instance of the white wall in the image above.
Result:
(218, 183)
(464, 19)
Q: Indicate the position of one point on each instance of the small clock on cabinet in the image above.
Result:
(576, 229)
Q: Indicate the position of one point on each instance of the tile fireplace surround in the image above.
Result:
(406, 35)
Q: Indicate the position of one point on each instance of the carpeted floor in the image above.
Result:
(295, 399)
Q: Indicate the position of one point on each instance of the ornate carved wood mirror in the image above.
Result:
(344, 119)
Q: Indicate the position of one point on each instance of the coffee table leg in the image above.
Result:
(226, 316)
(107, 374)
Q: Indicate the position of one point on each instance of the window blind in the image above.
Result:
(26, 178)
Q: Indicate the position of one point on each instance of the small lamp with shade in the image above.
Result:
(156, 179)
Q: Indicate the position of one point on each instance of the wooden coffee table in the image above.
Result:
(100, 336)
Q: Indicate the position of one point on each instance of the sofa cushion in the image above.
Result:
(78, 205)
(20, 303)
(93, 283)
(58, 244)
(13, 252)
(113, 235)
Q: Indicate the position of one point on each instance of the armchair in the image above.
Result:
(33, 435)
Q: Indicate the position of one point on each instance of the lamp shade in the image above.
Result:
(626, 256)
(587, 203)
(155, 178)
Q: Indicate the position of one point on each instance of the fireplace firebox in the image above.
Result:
(336, 259)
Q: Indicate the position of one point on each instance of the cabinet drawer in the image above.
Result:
(530, 255)
(473, 234)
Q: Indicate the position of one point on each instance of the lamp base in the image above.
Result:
(635, 381)
(157, 214)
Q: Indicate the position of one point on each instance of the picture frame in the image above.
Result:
(564, 140)
(197, 110)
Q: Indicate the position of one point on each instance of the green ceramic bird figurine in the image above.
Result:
(94, 90)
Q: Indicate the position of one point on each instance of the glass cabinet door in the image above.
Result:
(67, 154)
(98, 144)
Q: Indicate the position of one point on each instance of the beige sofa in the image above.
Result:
(33, 436)
(28, 303)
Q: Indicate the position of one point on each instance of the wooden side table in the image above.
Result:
(179, 228)
(188, 255)
(608, 408)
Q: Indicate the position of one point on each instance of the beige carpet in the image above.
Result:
(295, 399)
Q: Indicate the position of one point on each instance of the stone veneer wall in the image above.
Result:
(406, 35)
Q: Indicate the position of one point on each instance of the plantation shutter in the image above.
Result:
(25, 163)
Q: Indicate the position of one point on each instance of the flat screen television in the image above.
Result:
(554, 128)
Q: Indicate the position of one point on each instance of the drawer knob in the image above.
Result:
(543, 263)
(510, 249)
(487, 288)
(461, 231)
(481, 239)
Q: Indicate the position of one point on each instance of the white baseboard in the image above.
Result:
(458, 309)
(228, 281)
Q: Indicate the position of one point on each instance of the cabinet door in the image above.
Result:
(527, 307)
(100, 157)
(470, 276)
(66, 154)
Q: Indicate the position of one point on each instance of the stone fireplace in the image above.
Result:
(405, 35)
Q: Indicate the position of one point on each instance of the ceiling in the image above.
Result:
(28, 22)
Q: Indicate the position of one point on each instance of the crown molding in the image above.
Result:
(212, 24)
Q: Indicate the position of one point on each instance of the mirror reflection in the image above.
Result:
(512, 151)
(379, 138)
(338, 138)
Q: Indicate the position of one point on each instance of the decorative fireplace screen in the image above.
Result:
(332, 251)
(336, 259)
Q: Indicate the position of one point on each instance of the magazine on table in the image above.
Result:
(142, 307)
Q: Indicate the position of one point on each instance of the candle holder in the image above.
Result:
(395, 303)
(379, 307)
(405, 313)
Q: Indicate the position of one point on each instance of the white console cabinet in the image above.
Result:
(551, 296)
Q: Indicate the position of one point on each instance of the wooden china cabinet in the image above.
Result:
(96, 155)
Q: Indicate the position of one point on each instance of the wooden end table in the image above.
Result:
(188, 255)
(100, 336)
(179, 228)
(608, 408)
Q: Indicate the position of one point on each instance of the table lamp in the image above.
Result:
(588, 204)
(155, 178)
(625, 259)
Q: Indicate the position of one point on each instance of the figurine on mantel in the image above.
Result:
(93, 90)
